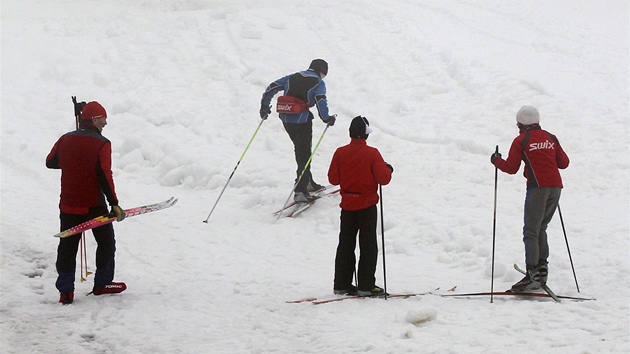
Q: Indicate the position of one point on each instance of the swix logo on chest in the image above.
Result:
(544, 145)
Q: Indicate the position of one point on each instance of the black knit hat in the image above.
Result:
(360, 128)
(319, 66)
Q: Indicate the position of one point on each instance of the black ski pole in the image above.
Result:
(568, 249)
(380, 188)
(78, 108)
(494, 227)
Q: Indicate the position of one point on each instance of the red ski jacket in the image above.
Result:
(85, 159)
(542, 154)
(358, 169)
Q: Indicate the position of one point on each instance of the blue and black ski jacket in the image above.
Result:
(305, 85)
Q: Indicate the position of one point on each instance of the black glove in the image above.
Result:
(331, 120)
(390, 167)
(495, 156)
(119, 212)
(265, 111)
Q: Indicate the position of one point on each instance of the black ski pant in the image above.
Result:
(67, 251)
(362, 222)
(302, 137)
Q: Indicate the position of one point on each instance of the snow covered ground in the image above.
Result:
(440, 81)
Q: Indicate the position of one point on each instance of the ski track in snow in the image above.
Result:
(440, 83)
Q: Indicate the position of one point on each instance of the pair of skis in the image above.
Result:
(542, 285)
(548, 293)
(293, 209)
(317, 301)
(520, 294)
(109, 218)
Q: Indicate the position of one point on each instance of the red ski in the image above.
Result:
(109, 218)
(316, 301)
(390, 296)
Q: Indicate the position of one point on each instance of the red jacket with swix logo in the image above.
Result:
(358, 169)
(542, 154)
(85, 159)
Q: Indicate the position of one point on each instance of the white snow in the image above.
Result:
(440, 81)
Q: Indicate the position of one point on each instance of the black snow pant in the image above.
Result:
(302, 137)
(67, 251)
(362, 222)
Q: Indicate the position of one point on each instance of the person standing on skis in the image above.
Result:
(543, 157)
(358, 169)
(302, 90)
(84, 157)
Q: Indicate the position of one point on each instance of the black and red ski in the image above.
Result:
(316, 301)
(293, 209)
(518, 294)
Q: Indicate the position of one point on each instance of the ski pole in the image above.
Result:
(568, 249)
(494, 227)
(78, 107)
(380, 189)
(234, 170)
(83, 247)
(308, 162)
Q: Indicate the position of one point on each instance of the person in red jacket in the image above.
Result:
(358, 169)
(543, 157)
(85, 157)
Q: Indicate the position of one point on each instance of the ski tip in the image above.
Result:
(65, 234)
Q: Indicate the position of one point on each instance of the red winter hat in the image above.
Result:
(93, 110)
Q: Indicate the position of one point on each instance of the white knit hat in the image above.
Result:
(528, 115)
